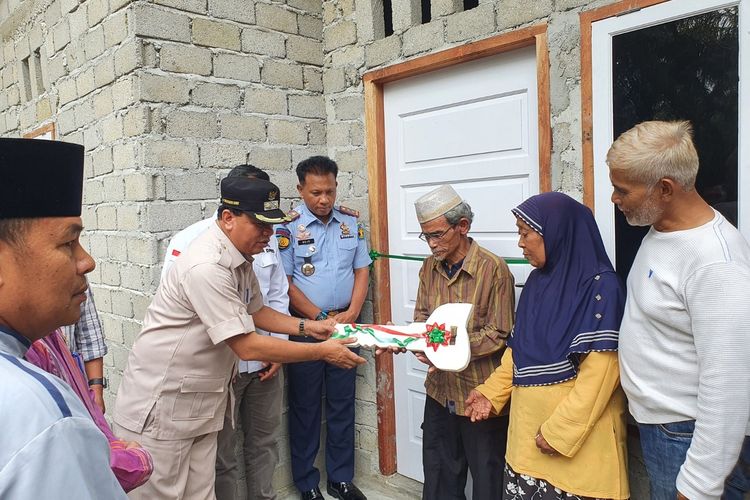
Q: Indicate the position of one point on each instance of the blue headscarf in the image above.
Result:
(571, 306)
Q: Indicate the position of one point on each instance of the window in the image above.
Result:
(684, 69)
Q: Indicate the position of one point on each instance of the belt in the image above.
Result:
(296, 313)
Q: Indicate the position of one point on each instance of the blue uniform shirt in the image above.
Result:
(336, 249)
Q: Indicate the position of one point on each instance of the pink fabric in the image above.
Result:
(133, 466)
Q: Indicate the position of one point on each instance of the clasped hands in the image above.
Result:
(478, 407)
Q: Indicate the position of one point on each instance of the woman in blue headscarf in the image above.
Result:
(567, 418)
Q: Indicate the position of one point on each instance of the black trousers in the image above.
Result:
(452, 444)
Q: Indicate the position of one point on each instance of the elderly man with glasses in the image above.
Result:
(460, 270)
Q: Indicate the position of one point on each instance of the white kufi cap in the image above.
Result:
(436, 203)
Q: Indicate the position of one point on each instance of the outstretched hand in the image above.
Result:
(478, 407)
(394, 350)
(320, 330)
(336, 352)
(424, 359)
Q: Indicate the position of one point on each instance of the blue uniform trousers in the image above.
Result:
(306, 381)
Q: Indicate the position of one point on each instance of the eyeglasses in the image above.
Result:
(434, 236)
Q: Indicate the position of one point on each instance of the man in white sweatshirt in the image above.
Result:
(685, 337)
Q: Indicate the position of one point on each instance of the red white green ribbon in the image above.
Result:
(435, 335)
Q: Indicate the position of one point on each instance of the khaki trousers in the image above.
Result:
(257, 418)
(183, 468)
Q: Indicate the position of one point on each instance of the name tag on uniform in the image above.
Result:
(309, 241)
(345, 231)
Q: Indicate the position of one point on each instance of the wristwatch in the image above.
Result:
(302, 327)
(321, 316)
(99, 381)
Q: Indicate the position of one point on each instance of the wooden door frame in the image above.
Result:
(378, 201)
(587, 18)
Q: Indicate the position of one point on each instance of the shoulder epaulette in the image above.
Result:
(293, 215)
(348, 211)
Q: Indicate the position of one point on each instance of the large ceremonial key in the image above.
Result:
(443, 337)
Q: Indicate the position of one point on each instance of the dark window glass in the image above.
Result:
(388, 17)
(470, 4)
(426, 11)
(682, 70)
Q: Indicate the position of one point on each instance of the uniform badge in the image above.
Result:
(292, 215)
(345, 231)
(283, 237)
(360, 232)
(303, 233)
(348, 211)
(308, 269)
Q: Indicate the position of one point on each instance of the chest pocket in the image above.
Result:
(263, 266)
(347, 244)
(199, 398)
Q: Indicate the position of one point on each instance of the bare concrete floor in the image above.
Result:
(395, 487)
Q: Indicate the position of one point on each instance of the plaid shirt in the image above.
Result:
(485, 281)
(86, 337)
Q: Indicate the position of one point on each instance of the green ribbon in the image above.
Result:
(375, 255)
(436, 336)
(349, 331)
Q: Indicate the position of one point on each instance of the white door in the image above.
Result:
(602, 99)
(473, 126)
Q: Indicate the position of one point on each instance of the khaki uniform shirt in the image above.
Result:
(180, 369)
(485, 281)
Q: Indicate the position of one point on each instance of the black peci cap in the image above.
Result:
(257, 197)
(40, 178)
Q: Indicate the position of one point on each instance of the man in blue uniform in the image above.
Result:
(325, 256)
(49, 446)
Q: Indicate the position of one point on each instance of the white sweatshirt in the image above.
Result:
(685, 345)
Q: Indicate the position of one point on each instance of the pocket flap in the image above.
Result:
(202, 384)
(348, 243)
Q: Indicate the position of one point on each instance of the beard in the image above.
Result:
(646, 214)
(438, 254)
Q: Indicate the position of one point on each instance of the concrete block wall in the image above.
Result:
(166, 95)
(82, 58)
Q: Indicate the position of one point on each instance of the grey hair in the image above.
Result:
(460, 211)
(656, 149)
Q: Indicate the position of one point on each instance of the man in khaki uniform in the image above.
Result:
(175, 389)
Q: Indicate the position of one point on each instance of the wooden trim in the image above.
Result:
(50, 127)
(587, 136)
(461, 54)
(378, 200)
(543, 113)
(375, 137)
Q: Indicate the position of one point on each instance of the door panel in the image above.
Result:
(472, 126)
